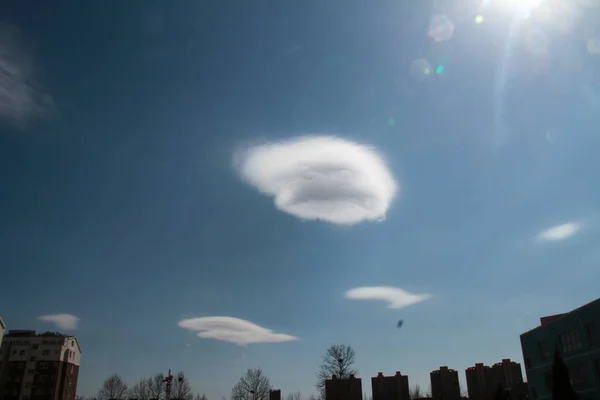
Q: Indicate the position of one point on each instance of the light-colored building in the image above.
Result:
(576, 335)
(444, 384)
(390, 387)
(42, 366)
(343, 389)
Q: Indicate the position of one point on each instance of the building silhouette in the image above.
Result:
(444, 384)
(390, 387)
(42, 366)
(576, 337)
(479, 379)
(343, 389)
(275, 394)
(484, 382)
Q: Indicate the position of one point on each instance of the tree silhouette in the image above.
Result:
(338, 361)
(254, 385)
(114, 387)
(561, 383)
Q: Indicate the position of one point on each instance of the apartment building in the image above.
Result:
(343, 389)
(275, 394)
(576, 336)
(42, 366)
(444, 384)
(393, 387)
(483, 381)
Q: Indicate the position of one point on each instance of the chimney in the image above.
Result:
(351, 376)
(380, 374)
(333, 376)
(398, 373)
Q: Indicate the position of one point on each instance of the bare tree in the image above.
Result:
(294, 396)
(181, 388)
(200, 397)
(339, 361)
(429, 393)
(141, 390)
(254, 385)
(156, 386)
(416, 392)
(312, 397)
(114, 387)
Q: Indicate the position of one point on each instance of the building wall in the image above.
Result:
(2, 329)
(444, 384)
(39, 367)
(390, 387)
(343, 389)
(576, 335)
(479, 378)
(275, 394)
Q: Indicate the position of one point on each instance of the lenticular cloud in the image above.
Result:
(320, 178)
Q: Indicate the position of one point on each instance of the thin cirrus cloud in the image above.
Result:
(559, 232)
(394, 297)
(21, 98)
(62, 321)
(234, 330)
(323, 178)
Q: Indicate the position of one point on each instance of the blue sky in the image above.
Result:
(166, 161)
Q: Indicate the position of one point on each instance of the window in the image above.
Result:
(46, 352)
(27, 384)
(42, 378)
(14, 352)
(544, 353)
(30, 372)
(592, 333)
(571, 341)
(22, 353)
(35, 346)
(56, 351)
(44, 365)
(577, 374)
(527, 363)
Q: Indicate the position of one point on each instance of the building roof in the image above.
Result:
(31, 333)
(2, 324)
(550, 319)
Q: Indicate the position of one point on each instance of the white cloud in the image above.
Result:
(559, 232)
(320, 178)
(233, 330)
(62, 321)
(20, 98)
(395, 297)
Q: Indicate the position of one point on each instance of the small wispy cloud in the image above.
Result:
(395, 297)
(559, 232)
(323, 178)
(62, 321)
(21, 98)
(234, 330)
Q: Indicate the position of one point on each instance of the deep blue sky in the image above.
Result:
(120, 203)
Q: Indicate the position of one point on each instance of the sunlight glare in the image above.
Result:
(520, 5)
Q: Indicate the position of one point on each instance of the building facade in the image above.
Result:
(343, 389)
(444, 384)
(275, 394)
(390, 387)
(2, 329)
(576, 336)
(41, 366)
(483, 381)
